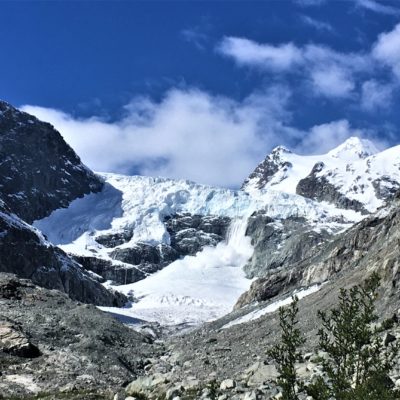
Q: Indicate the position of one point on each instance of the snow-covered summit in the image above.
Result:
(354, 149)
(354, 175)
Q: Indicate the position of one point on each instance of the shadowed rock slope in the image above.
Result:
(39, 172)
(25, 252)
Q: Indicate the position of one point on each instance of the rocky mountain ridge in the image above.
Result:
(38, 168)
(39, 173)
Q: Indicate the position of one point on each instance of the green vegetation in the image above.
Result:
(286, 353)
(357, 362)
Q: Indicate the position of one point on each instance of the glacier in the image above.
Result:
(205, 286)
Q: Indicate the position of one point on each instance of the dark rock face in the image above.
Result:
(13, 341)
(24, 252)
(320, 189)
(269, 167)
(385, 187)
(80, 347)
(144, 258)
(372, 244)
(108, 271)
(280, 244)
(190, 233)
(138, 254)
(115, 239)
(39, 172)
(263, 289)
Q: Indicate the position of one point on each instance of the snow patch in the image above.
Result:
(195, 289)
(274, 306)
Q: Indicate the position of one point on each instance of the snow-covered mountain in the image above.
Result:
(138, 225)
(177, 231)
(352, 176)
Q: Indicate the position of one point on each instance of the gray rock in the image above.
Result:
(82, 348)
(39, 171)
(114, 239)
(110, 271)
(385, 187)
(190, 233)
(320, 189)
(15, 342)
(279, 246)
(268, 168)
(227, 384)
(24, 252)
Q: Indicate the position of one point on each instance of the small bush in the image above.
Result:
(286, 352)
(358, 363)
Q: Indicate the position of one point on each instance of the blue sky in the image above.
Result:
(203, 90)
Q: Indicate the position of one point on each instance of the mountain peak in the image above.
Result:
(280, 150)
(354, 148)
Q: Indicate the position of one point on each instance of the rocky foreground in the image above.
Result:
(54, 348)
(51, 344)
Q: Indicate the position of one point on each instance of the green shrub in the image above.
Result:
(286, 352)
(358, 363)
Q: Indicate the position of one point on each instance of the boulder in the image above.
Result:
(15, 342)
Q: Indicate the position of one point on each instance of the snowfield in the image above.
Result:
(253, 315)
(197, 288)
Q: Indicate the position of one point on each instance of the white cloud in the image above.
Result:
(333, 81)
(195, 36)
(189, 134)
(325, 137)
(315, 23)
(331, 73)
(378, 7)
(249, 53)
(387, 49)
(376, 95)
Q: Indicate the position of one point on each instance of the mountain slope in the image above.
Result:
(171, 224)
(25, 252)
(235, 346)
(39, 172)
(60, 348)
